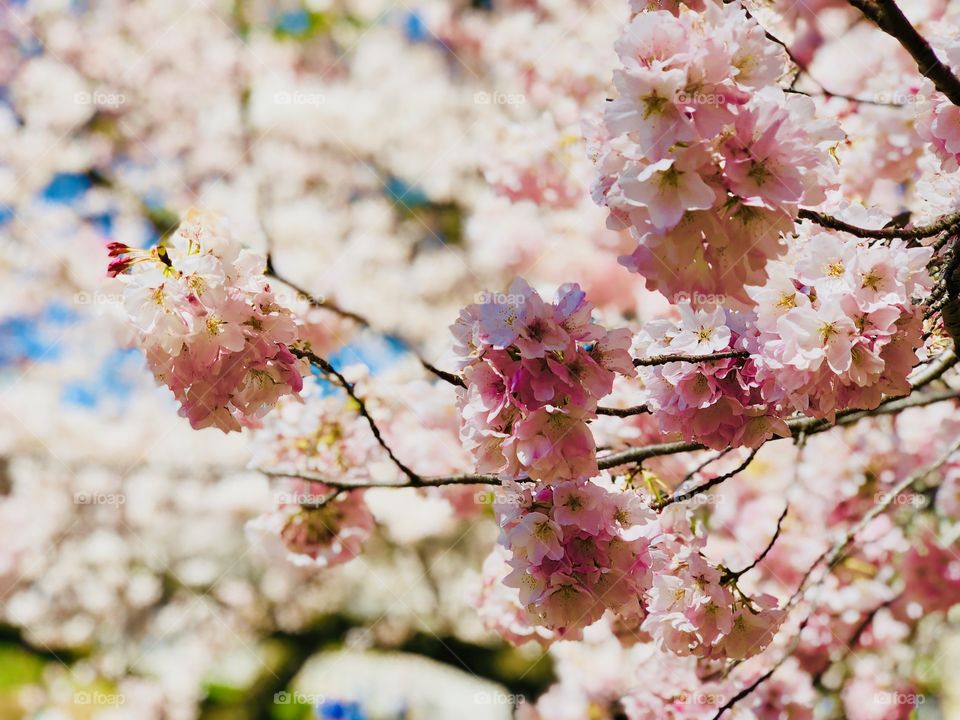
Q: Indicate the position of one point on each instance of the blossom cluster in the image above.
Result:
(836, 328)
(311, 523)
(209, 323)
(578, 550)
(938, 119)
(701, 156)
(719, 402)
(314, 525)
(694, 609)
(533, 374)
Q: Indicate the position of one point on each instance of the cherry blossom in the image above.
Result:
(701, 156)
(209, 324)
(534, 373)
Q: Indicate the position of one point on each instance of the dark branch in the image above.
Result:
(766, 676)
(326, 304)
(854, 639)
(422, 481)
(840, 96)
(833, 554)
(773, 541)
(623, 412)
(679, 357)
(798, 426)
(329, 369)
(682, 495)
(889, 18)
(943, 224)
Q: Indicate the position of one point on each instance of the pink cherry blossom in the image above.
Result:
(534, 373)
(209, 324)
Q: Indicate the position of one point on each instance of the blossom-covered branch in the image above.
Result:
(890, 18)
(945, 224)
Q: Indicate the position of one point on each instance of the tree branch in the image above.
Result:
(329, 369)
(840, 96)
(889, 18)
(798, 426)
(833, 554)
(766, 676)
(682, 495)
(854, 639)
(679, 357)
(623, 412)
(942, 224)
(422, 481)
(759, 559)
(326, 304)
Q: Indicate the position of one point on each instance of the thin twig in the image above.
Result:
(854, 639)
(810, 426)
(329, 369)
(840, 96)
(327, 304)
(834, 553)
(681, 496)
(759, 559)
(626, 457)
(766, 676)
